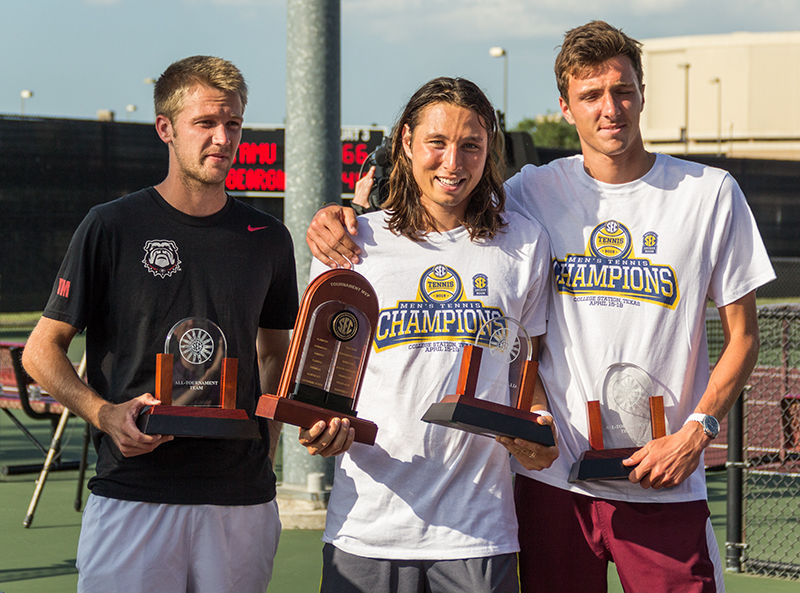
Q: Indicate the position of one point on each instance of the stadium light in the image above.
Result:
(499, 52)
(24, 94)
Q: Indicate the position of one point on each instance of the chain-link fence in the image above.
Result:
(764, 458)
(771, 489)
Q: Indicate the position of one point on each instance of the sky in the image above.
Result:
(79, 56)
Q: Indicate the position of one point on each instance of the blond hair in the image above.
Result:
(172, 86)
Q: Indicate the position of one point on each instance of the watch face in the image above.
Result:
(711, 426)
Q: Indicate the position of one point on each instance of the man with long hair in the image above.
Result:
(430, 507)
(641, 242)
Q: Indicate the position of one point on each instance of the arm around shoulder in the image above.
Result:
(329, 236)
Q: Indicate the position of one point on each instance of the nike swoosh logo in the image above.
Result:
(255, 228)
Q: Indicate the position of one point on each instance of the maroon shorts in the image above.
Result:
(567, 539)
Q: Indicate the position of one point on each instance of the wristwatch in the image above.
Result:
(709, 423)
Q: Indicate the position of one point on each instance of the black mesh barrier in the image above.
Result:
(53, 172)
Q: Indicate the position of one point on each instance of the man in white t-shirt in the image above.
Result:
(428, 507)
(639, 243)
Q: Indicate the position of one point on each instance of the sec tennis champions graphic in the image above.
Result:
(441, 312)
(610, 267)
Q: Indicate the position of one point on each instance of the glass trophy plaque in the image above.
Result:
(196, 384)
(327, 355)
(623, 420)
(514, 372)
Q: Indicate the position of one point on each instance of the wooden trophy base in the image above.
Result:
(466, 412)
(298, 413)
(488, 418)
(188, 421)
(599, 463)
(605, 464)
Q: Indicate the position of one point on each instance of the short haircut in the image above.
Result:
(482, 218)
(588, 46)
(172, 86)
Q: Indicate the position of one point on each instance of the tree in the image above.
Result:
(550, 131)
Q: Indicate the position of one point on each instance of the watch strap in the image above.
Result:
(709, 423)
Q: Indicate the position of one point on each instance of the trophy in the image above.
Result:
(510, 344)
(327, 355)
(196, 384)
(627, 416)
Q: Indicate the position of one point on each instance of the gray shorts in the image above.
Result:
(140, 547)
(347, 573)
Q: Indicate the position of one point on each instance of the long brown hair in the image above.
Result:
(482, 218)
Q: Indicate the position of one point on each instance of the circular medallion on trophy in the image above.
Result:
(196, 346)
(625, 398)
(502, 342)
(506, 338)
(344, 326)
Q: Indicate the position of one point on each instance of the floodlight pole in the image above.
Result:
(685, 66)
(313, 155)
(718, 81)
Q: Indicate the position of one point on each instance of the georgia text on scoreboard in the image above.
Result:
(259, 167)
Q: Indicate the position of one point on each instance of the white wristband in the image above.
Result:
(542, 413)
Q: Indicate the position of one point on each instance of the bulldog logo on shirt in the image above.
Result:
(161, 257)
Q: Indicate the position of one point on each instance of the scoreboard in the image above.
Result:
(259, 167)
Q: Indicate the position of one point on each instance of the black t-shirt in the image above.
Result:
(134, 268)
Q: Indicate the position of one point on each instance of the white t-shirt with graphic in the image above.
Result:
(425, 491)
(633, 268)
